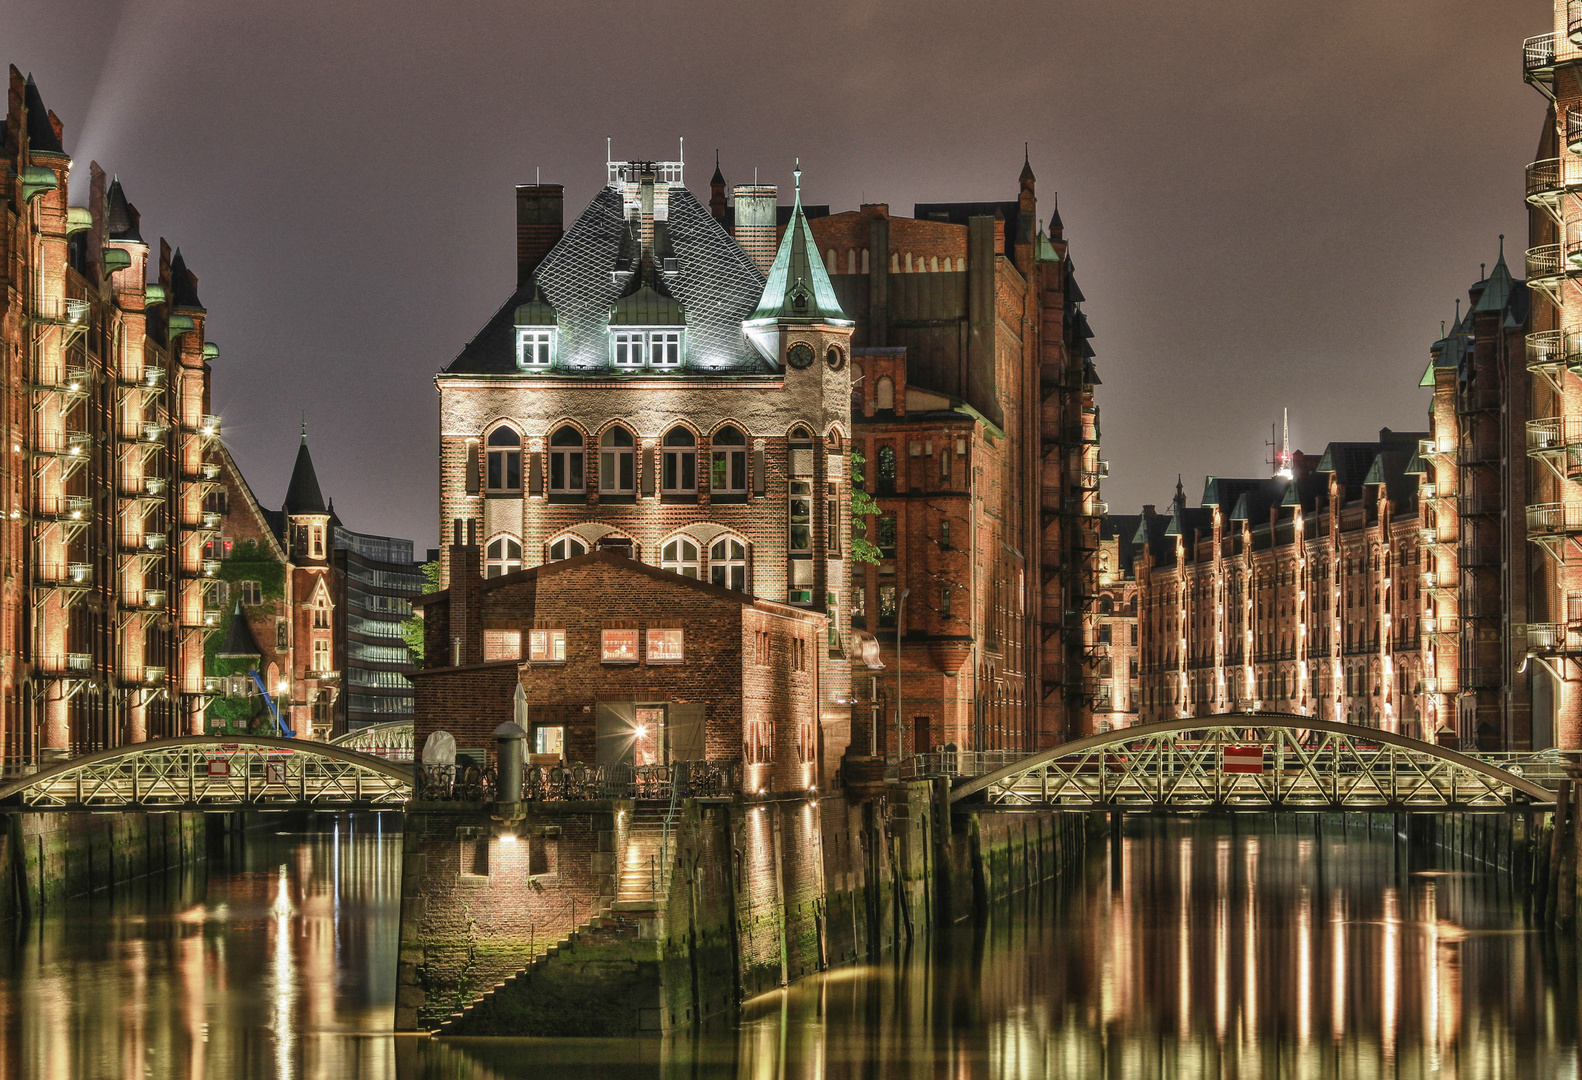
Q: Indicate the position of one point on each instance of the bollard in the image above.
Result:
(509, 739)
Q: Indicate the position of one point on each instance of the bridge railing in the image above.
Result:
(957, 763)
(578, 782)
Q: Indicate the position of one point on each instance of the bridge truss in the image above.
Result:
(217, 772)
(392, 741)
(1253, 762)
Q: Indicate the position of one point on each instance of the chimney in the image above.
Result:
(466, 604)
(757, 207)
(540, 219)
(645, 209)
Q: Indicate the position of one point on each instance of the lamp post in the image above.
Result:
(900, 625)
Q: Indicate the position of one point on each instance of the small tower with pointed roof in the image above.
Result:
(307, 516)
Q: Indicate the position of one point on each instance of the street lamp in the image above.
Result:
(900, 624)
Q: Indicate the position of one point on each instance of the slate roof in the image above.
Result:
(121, 218)
(715, 282)
(41, 138)
(302, 494)
(239, 640)
(183, 284)
(1122, 528)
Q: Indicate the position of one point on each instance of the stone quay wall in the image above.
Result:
(543, 934)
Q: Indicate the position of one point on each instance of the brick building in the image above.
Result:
(1120, 692)
(322, 606)
(974, 411)
(624, 663)
(648, 388)
(1297, 594)
(106, 598)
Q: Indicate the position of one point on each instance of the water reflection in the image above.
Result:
(1197, 949)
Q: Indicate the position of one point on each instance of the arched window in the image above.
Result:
(1106, 606)
(566, 547)
(680, 471)
(565, 461)
(321, 612)
(851, 260)
(728, 563)
(886, 471)
(865, 257)
(617, 465)
(885, 393)
(829, 260)
(680, 556)
(729, 473)
(505, 460)
(503, 555)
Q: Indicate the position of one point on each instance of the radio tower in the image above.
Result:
(1281, 461)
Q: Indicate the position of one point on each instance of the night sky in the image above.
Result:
(1268, 204)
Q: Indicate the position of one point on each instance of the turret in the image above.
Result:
(307, 516)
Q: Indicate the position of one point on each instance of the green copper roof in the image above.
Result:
(1428, 375)
(1375, 471)
(1416, 466)
(1497, 289)
(798, 289)
(1240, 512)
(537, 311)
(646, 307)
(1044, 251)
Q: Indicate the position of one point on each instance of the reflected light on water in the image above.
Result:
(1205, 949)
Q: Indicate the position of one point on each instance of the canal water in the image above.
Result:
(1199, 948)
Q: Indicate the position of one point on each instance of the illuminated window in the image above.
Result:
(546, 646)
(729, 473)
(321, 656)
(317, 532)
(800, 535)
(728, 563)
(664, 646)
(502, 645)
(886, 605)
(757, 742)
(535, 347)
(680, 556)
(628, 346)
(679, 472)
(664, 348)
(505, 460)
(565, 461)
(321, 614)
(502, 556)
(566, 547)
(619, 646)
(617, 463)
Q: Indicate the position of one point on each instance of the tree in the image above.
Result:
(862, 508)
(412, 628)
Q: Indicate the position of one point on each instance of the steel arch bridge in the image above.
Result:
(392, 740)
(217, 772)
(1253, 761)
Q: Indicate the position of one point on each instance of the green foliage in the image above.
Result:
(862, 508)
(412, 629)
(249, 562)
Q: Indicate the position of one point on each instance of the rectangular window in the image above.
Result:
(664, 646)
(680, 471)
(729, 472)
(944, 601)
(502, 645)
(321, 656)
(886, 605)
(664, 348)
(619, 646)
(505, 470)
(757, 740)
(944, 467)
(546, 646)
(533, 347)
(252, 592)
(944, 533)
(565, 471)
(282, 635)
(801, 520)
(859, 598)
(318, 541)
(550, 739)
(887, 534)
(474, 860)
(543, 858)
(832, 520)
(628, 346)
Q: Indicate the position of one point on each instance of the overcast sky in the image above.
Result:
(1268, 204)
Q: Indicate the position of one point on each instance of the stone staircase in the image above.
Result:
(641, 878)
(641, 883)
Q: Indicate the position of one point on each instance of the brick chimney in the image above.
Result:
(466, 604)
(757, 207)
(540, 220)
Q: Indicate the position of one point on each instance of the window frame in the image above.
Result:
(668, 344)
(799, 492)
(497, 645)
(543, 347)
(676, 460)
(680, 542)
(729, 563)
(505, 562)
(728, 472)
(660, 636)
(552, 641)
(617, 462)
(566, 458)
(605, 640)
(502, 461)
(567, 539)
(627, 340)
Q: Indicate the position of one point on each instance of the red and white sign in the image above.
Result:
(219, 766)
(275, 772)
(1243, 759)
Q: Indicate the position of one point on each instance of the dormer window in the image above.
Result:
(632, 349)
(535, 347)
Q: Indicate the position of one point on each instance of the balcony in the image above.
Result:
(153, 676)
(66, 576)
(1430, 536)
(152, 600)
(154, 542)
(1545, 266)
(208, 426)
(69, 508)
(1574, 130)
(1549, 520)
(152, 431)
(1477, 504)
(61, 311)
(322, 676)
(1553, 639)
(210, 568)
(202, 472)
(69, 665)
(1427, 489)
(1550, 350)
